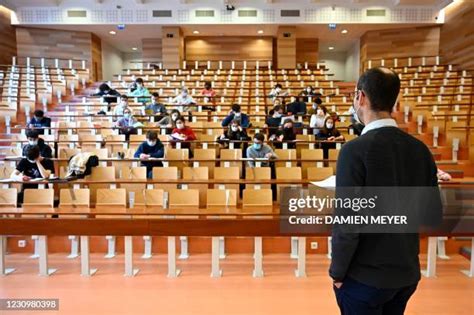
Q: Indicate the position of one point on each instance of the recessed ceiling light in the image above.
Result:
(112, 32)
(331, 48)
(260, 31)
(195, 32)
(344, 31)
(134, 48)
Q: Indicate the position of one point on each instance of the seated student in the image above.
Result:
(208, 91)
(234, 132)
(121, 106)
(169, 121)
(105, 89)
(155, 107)
(127, 124)
(184, 100)
(317, 120)
(277, 91)
(274, 121)
(182, 133)
(355, 123)
(140, 91)
(296, 107)
(237, 115)
(259, 150)
(34, 139)
(285, 134)
(39, 121)
(316, 103)
(32, 166)
(151, 148)
(329, 131)
(307, 93)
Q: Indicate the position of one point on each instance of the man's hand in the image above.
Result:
(144, 156)
(331, 138)
(269, 155)
(338, 285)
(25, 178)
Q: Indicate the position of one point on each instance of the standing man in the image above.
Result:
(378, 273)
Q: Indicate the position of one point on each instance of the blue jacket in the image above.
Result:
(156, 151)
(244, 120)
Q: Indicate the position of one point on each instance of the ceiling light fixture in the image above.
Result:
(112, 32)
(134, 48)
(331, 48)
(344, 31)
(260, 31)
(195, 32)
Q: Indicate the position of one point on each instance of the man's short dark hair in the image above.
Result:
(123, 96)
(259, 136)
(139, 80)
(277, 108)
(278, 85)
(155, 94)
(381, 86)
(236, 108)
(31, 133)
(151, 135)
(318, 101)
(39, 113)
(32, 152)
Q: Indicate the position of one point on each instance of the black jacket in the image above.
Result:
(385, 156)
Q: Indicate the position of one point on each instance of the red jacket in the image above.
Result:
(188, 132)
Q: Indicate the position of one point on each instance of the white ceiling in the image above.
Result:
(133, 34)
(86, 3)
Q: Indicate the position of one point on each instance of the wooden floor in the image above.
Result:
(194, 292)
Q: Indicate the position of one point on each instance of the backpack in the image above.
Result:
(80, 165)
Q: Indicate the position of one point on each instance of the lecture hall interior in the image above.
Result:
(150, 149)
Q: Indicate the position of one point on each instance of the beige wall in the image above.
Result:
(457, 35)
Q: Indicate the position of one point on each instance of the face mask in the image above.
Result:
(356, 116)
(308, 90)
(320, 113)
(151, 143)
(234, 128)
(180, 126)
(127, 115)
(278, 90)
(277, 115)
(329, 126)
(184, 94)
(257, 146)
(315, 106)
(237, 114)
(33, 142)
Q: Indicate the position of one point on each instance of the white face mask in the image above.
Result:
(329, 126)
(237, 114)
(179, 126)
(277, 115)
(278, 90)
(151, 143)
(308, 90)
(32, 142)
(184, 94)
(234, 128)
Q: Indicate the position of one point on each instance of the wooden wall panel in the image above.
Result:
(457, 35)
(39, 42)
(405, 42)
(7, 37)
(96, 55)
(227, 48)
(286, 47)
(152, 49)
(173, 48)
(307, 50)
